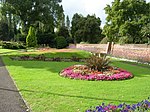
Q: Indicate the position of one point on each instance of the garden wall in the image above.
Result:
(96, 48)
(140, 52)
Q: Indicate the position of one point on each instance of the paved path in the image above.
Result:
(10, 99)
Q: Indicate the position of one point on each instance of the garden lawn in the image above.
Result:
(8, 52)
(45, 91)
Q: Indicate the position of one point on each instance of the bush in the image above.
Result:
(13, 45)
(46, 39)
(69, 40)
(96, 62)
(21, 37)
(61, 42)
(31, 39)
(1, 43)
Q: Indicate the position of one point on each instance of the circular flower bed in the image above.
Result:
(84, 73)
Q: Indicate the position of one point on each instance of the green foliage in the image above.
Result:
(21, 37)
(24, 13)
(12, 45)
(146, 32)
(123, 40)
(63, 31)
(60, 42)
(4, 31)
(96, 62)
(86, 29)
(1, 43)
(31, 39)
(126, 18)
(68, 22)
(69, 40)
(46, 39)
(104, 40)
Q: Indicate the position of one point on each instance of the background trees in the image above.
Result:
(44, 15)
(146, 32)
(86, 29)
(125, 19)
(127, 22)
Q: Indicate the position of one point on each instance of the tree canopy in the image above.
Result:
(25, 13)
(126, 18)
(86, 29)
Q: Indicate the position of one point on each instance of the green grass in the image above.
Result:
(34, 52)
(8, 52)
(45, 91)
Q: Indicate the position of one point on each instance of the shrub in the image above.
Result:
(69, 40)
(60, 42)
(45, 38)
(1, 43)
(13, 45)
(96, 62)
(31, 39)
(21, 37)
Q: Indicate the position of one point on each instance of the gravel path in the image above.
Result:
(10, 98)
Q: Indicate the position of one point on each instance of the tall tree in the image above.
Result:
(92, 29)
(126, 18)
(3, 27)
(30, 11)
(86, 29)
(68, 22)
(76, 19)
(63, 31)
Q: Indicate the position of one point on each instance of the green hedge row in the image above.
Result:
(13, 45)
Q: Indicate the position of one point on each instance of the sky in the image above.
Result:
(86, 7)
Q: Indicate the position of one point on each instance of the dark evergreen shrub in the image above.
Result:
(69, 40)
(61, 42)
(46, 39)
(21, 37)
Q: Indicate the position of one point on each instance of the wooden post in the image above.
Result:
(108, 49)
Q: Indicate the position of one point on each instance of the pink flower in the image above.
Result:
(76, 72)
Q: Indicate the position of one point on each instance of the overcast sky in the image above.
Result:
(85, 7)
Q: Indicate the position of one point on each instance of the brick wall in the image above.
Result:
(140, 52)
(98, 48)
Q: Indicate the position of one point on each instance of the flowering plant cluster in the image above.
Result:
(83, 72)
(143, 106)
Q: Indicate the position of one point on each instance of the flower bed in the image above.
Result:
(143, 106)
(84, 73)
(43, 58)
